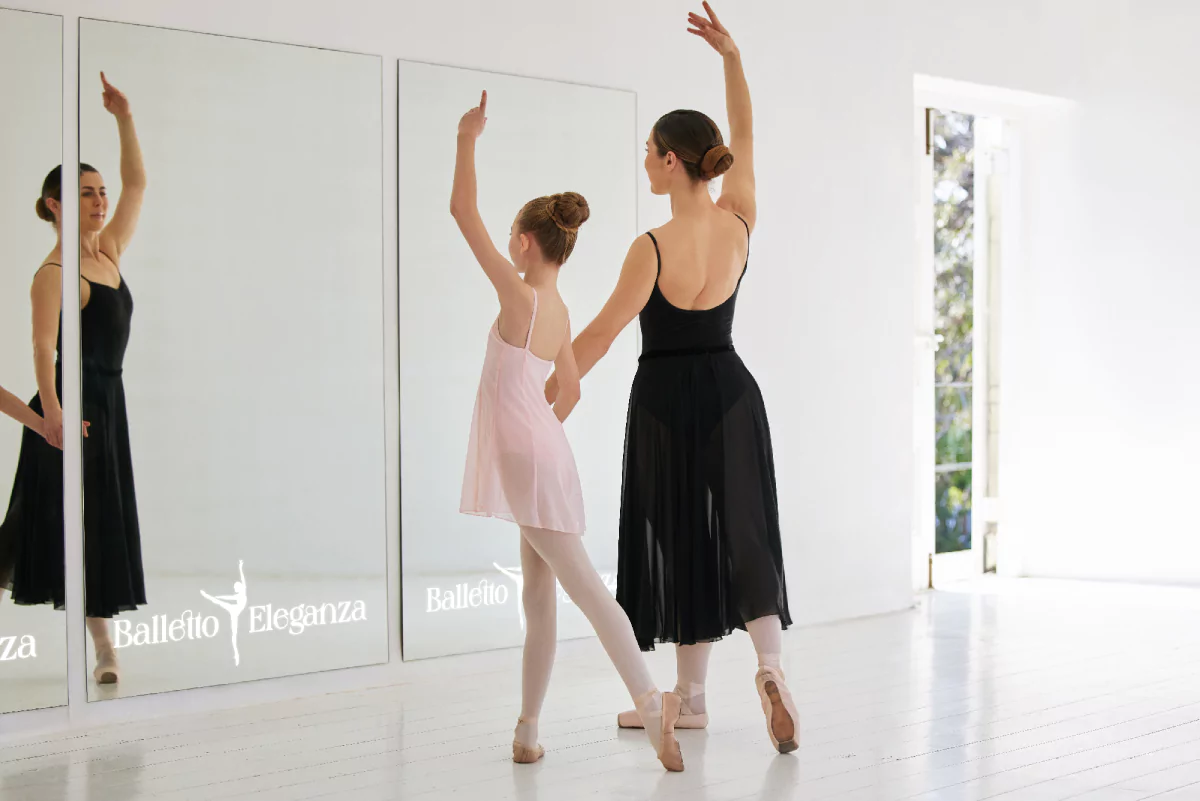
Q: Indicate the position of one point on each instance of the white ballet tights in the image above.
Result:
(98, 627)
(691, 661)
(767, 634)
(691, 670)
(544, 556)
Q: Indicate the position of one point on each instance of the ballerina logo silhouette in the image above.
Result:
(234, 605)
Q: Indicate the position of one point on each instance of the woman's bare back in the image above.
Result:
(702, 258)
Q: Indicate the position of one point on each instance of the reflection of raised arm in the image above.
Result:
(117, 234)
(464, 207)
(737, 187)
(46, 297)
(242, 573)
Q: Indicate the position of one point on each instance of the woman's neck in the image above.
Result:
(691, 199)
(89, 245)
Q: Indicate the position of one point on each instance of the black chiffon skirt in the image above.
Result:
(699, 549)
(31, 536)
(112, 545)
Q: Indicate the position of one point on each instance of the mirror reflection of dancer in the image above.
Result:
(699, 549)
(48, 463)
(112, 544)
(233, 604)
(519, 464)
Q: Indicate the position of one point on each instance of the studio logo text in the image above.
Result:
(14, 648)
(263, 618)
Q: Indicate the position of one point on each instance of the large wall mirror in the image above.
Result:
(232, 359)
(33, 652)
(461, 575)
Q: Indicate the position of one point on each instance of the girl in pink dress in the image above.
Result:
(519, 464)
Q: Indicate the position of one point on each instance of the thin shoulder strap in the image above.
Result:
(532, 320)
(747, 226)
(44, 265)
(657, 254)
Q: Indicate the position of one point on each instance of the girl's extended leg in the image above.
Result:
(569, 561)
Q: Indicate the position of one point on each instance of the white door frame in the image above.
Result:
(1014, 108)
(998, 113)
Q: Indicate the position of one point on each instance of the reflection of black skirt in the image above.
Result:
(31, 537)
(112, 549)
(699, 551)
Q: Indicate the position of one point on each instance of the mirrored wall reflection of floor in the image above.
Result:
(33, 657)
(1017, 691)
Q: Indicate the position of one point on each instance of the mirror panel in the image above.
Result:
(461, 574)
(33, 648)
(232, 341)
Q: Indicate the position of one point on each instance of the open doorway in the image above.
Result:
(961, 185)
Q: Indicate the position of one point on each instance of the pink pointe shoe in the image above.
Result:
(630, 719)
(660, 727)
(779, 708)
(107, 670)
(524, 754)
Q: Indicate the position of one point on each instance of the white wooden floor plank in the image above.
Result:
(978, 694)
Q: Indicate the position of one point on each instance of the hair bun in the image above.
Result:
(43, 211)
(569, 210)
(716, 161)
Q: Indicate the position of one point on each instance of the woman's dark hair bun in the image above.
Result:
(696, 141)
(569, 210)
(43, 211)
(716, 161)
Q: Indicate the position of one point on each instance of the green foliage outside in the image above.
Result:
(954, 297)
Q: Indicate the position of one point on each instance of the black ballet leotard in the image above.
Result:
(699, 548)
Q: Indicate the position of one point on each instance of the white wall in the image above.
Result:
(825, 319)
(1100, 426)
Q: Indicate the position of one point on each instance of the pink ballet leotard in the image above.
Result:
(519, 464)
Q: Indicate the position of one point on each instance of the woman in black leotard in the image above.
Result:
(699, 548)
(31, 547)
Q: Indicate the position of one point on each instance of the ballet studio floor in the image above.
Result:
(1008, 690)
